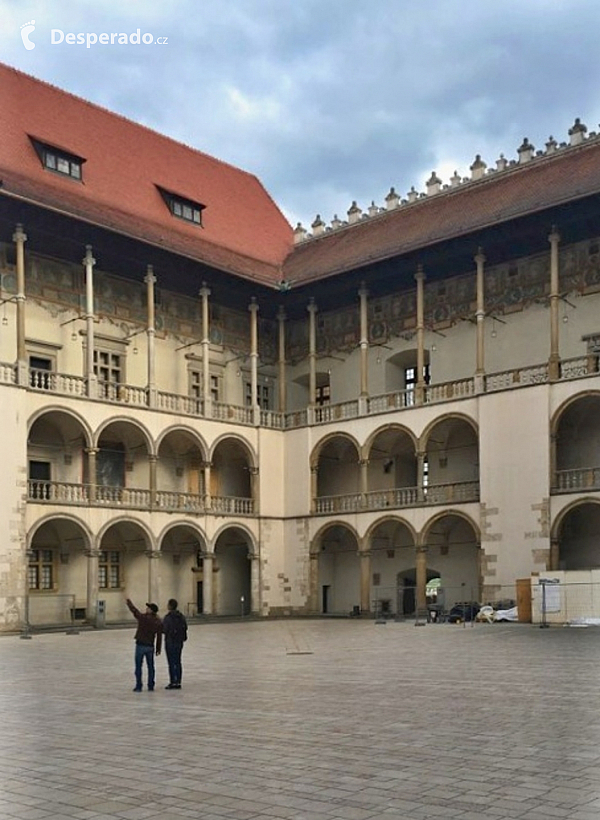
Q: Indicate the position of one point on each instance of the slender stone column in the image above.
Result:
(150, 280)
(206, 394)
(480, 317)
(312, 353)
(91, 380)
(19, 238)
(554, 360)
(314, 486)
(206, 465)
(364, 342)
(554, 555)
(364, 479)
(254, 488)
(313, 583)
(153, 558)
(254, 584)
(92, 585)
(152, 465)
(553, 454)
(91, 464)
(420, 386)
(365, 580)
(281, 317)
(421, 579)
(207, 583)
(421, 456)
(253, 308)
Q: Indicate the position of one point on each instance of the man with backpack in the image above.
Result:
(175, 632)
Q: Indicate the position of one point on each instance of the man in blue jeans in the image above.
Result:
(175, 632)
(148, 631)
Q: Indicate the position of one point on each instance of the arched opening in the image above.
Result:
(179, 472)
(181, 572)
(578, 446)
(579, 537)
(233, 573)
(393, 578)
(56, 459)
(231, 480)
(338, 572)
(126, 562)
(453, 555)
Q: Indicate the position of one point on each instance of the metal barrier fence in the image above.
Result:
(444, 604)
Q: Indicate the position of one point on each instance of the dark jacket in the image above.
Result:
(149, 627)
(175, 628)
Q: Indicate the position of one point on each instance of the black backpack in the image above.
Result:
(178, 627)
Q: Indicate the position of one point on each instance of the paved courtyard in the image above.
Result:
(306, 720)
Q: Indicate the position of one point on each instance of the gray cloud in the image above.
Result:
(334, 100)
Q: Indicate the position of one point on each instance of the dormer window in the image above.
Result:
(183, 208)
(58, 160)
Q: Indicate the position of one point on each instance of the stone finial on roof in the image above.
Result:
(300, 233)
(318, 226)
(551, 145)
(455, 180)
(501, 163)
(373, 209)
(577, 132)
(392, 200)
(412, 194)
(335, 222)
(434, 184)
(354, 213)
(478, 168)
(525, 151)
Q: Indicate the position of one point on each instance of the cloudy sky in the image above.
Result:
(328, 101)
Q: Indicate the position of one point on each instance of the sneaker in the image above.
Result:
(176, 686)
(137, 689)
(171, 686)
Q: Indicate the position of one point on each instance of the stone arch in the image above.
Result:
(327, 439)
(391, 542)
(450, 546)
(183, 428)
(240, 442)
(55, 408)
(236, 578)
(114, 421)
(451, 447)
(576, 530)
(335, 582)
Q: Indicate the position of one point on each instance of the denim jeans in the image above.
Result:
(142, 652)
(174, 660)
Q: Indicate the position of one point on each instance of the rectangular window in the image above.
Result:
(108, 366)
(184, 209)
(410, 383)
(263, 395)
(62, 163)
(39, 370)
(196, 384)
(323, 395)
(109, 570)
(41, 569)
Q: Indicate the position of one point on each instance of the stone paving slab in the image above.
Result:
(379, 722)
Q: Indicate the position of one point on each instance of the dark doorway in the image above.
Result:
(325, 598)
(199, 597)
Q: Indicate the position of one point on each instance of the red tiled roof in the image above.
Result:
(243, 230)
(570, 173)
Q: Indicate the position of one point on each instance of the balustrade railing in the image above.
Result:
(351, 502)
(231, 506)
(398, 497)
(122, 497)
(170, 500)
(461, 491)
(135, 396)
(584, 478)
(182, 405)
(8, 373)
(233, 413)
(57, 492)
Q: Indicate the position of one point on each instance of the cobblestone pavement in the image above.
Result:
(306, 720)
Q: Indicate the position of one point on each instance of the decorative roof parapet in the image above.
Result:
(478, 167)
(577, 132)
(479, 170)
(525, 151)
(354, 213)
(434, 184)
(300, 233)
(318, 226)
(392, 200)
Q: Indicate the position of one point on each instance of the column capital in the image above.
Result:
(363, 290)
(253, 470)
(253, 306)
(93, 553)
(204, 291)
(19, 234)
(150, 278)
(479, 256)
(88, 259)
(281, 314)
(152, 554)
(420, 274)
(152, 457)
(365, 553)
(92, 451)
(311, 307)
(554, 236)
